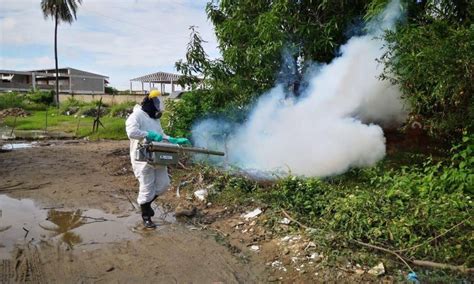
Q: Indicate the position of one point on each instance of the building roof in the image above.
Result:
(51, 72)
(69, 68)
(158, 77)
(15, 72)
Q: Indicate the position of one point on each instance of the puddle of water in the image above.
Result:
(6, 134)
(16, 146)
(22, 221)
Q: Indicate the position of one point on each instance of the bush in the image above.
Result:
(91, 110)
(111, 90)
(11, 100)
(122, 110)
(434, 66)
(183, 112)
(70, 106)
(41, 97)
(399, 208)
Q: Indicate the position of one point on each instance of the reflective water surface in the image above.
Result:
(23, 221)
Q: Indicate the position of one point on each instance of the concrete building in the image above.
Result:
(71, 81)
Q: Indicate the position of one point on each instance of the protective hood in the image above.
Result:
(151, 107)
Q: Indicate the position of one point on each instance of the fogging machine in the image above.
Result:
(161, 153)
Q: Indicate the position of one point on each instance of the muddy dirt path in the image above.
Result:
(67, 216)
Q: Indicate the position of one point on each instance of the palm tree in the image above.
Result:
(59, 11)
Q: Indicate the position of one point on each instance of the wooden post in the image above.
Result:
(130, 87)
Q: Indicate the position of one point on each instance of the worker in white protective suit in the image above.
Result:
(144, 123)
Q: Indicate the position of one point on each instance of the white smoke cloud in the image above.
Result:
(330, 127)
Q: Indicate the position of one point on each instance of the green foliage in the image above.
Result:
(399, 208)
(41, 97)
(111, 90)
(252, 36)
(34, 100)
(61, 10)
(434, 66)
(195, 105)
(78, 126)
(121, 109)
(11, 100)
(182, 113)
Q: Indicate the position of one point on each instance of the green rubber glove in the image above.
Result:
(153, 136)
(179, 141)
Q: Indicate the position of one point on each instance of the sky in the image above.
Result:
(121, 39)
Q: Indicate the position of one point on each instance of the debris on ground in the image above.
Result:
(185, 212)
(19, 112)
(201, 194)
(254, 248)
(285, 221)
(252, 214)
(377, 270)
(278, 265)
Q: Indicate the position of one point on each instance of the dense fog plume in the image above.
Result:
(332, 126)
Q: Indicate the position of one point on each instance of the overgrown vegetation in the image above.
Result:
(401, 208)
(432, 60)
(73, 117)
(424, 210)
(34, 100)
(77, 126)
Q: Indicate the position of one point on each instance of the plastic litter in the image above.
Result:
(412, 277)
(252, 214)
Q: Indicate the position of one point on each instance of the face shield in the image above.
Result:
(156, 103)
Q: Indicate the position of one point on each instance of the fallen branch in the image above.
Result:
(27, 232)
(183, 166)
(183, 183)
(434, 238)
(53, 207)
(431, 264)
(100, 219)
(294, 220)
(128, 198)
(424, 263)
(385, 250)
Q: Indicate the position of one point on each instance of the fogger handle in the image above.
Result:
(167, 147)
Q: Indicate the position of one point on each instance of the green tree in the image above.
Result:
(431, 58)
(252, 35)
(59, 11)
(261, 42)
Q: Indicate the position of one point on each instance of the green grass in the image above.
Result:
(114, 128)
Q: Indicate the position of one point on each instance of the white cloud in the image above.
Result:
(108, 35)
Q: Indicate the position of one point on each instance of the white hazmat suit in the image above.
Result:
(153, 179)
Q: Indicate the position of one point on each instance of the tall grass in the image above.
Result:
(11, 100)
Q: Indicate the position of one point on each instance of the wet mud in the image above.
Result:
(68, 215)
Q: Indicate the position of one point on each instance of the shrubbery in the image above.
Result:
(34, 100)
(11, 100)
(399, 208)
(434, 66)
(122, 109)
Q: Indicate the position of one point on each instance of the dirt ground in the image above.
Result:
(66, 241)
